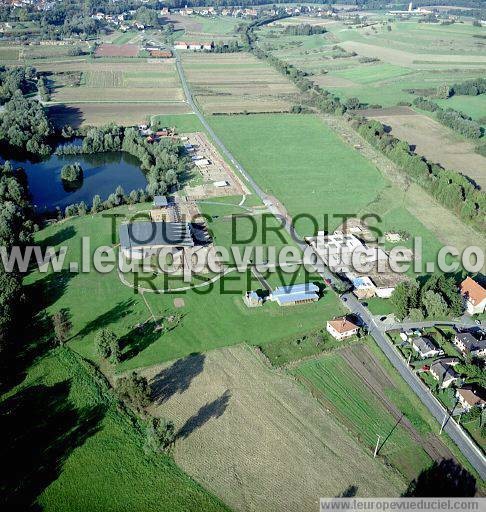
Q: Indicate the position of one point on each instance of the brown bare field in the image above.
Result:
(257, 439)
(437, 143)
(117, 50)
(98, 114)
(237, 82)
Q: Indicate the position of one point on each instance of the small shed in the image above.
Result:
(161, 201)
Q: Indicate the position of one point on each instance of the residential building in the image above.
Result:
(468, 344)
(341, 328)
(426, 347)
(471, 396)
(474, 296)
(443, 373)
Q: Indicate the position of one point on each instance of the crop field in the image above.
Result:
(301, 162)
(114, 81)
(410, 56)
(117, 50)
(363, 395)
(99, 114)
(249, 434)
(437, 143)
(204, 28)
(70, 444)
(225, 83)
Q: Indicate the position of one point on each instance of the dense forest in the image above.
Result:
(16, 228)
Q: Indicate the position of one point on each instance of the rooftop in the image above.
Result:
(342, 325)
(474, 292)
(473, 395)
(155, 234)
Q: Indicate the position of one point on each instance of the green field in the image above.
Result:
(301, 162)
(114, 305)
(72, 447)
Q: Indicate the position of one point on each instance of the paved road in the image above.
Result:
(467, 447)
(377, 330)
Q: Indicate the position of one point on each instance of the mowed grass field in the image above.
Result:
(257, 439)
(71, 447)
(303, 163)
(211, 317)
(204, 28)
(237, 82)
(99, 81)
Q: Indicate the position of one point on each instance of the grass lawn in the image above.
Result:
(379, 306)
(474, 106)
(211, 317)
(71, 447)
(303, 163)
(184, 123)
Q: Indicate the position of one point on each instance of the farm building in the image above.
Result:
(474, 296)
(341, 328)
(141, 239)
(161, 54)
(426, 347)
(161, 201)
(220, 184)
(202, 162)
(252, 299)
(295, 294)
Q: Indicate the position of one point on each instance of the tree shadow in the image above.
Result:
(43, 428)
(350, 492)
(138, 339)
(177, 377)
(48, 290)
(214, 409)
(442, 479)
(59, 237)
(121, 309)
(61, 115)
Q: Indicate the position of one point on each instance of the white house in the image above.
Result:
(341, 328)
(470, 397)
(426, 347)
(474, 296)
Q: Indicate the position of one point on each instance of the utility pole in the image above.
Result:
(376, 447)
(443, 423)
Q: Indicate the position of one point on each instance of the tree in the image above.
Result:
(97, 205)
(72, 172)
(62, 326)
(434, 304)
(404, 298)
(115, 351)
(443, 91)
(160, 435)
(104, 341)
(134, 389)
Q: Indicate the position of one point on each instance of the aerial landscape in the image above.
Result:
(242, 255)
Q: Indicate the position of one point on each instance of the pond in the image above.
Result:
(102, 172)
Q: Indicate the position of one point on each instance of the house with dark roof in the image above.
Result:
(426, 347)
(443, 373)
(468, 344)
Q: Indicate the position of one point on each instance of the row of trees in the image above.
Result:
(450, 188)
(304, 30)
(469, 87)
(437, 298)
(16, 228)
(451, 118)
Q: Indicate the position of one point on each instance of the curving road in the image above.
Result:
(377, 330)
